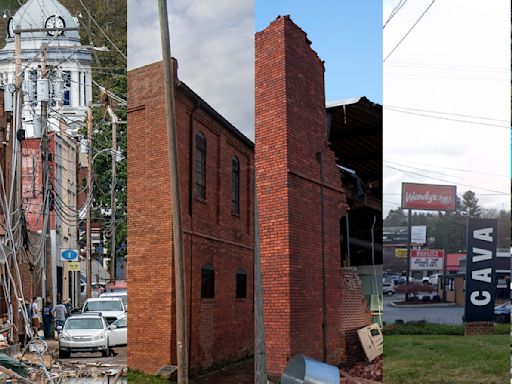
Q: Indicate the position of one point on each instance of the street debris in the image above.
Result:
(372, 341)
(363, 372)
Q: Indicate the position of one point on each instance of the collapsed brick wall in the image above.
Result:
(354, 315)
(220, 329)
(291, 142)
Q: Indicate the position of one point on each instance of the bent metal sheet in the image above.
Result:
(481, 270)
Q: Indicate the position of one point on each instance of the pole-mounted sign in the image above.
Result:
(69, 254)
(481, 270)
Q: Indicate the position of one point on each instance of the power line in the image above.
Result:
(453, 169)
(447, 181)
(447, 118)
(408, 32)
(108, 38)
(395, 10)
(446, 113)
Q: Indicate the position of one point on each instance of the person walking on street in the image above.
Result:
(48, 320)
(60, 314)
(36, 316)
(67, 304)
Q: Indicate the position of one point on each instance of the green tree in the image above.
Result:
(470, 204)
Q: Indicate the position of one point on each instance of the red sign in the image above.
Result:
(427, 259)
(428, 197)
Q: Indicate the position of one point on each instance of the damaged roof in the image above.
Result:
(354, 132)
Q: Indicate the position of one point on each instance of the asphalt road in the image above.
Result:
(440, 315)
(118, 361)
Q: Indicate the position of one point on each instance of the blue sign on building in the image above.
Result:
(69, 254)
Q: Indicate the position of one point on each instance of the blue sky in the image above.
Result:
(347, 35)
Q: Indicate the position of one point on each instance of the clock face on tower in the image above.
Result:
(10, 28)
(54, 22)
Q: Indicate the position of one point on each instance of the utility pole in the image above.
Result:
(88, 201)
(47, 192)
(113, 202)
(260, 357)
(15, 201)
(177, 229)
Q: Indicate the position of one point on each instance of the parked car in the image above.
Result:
(118, 332)
(111, 308)
(434, 279)
(86, 332)
(502, 313)
(123, 295)
(388, 289)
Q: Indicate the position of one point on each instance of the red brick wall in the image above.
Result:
(290, 135)
(221, 328)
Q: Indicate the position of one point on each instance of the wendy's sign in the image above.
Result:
(428, 197)
(481, 270)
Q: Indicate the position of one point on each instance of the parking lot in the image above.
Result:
(439, 315)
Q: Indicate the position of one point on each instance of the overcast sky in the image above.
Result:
(214, 45)
(456, 61)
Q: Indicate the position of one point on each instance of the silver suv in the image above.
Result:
(86, 332)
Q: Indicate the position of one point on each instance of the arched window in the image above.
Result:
(241, 284)
(200, 171)
(235, 185)
(207, 281)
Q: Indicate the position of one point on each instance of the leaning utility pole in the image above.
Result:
(177, 230)
(88, 201)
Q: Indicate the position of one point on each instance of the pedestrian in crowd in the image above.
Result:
(67, 304)
(36, 316)
(60, 314)
(48, 320)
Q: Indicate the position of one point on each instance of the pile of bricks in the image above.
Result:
(363, 372)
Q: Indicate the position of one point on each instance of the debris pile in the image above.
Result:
(363, 372)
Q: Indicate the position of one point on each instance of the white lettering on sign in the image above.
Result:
(483, 254)
(482, 275)
(486, 298)
(483, 234)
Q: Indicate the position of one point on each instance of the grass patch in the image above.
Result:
(446, 359)
(422, 328)
(142, 378)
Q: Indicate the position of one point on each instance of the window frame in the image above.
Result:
(241, 292)
(235, 185)
(207, 286)
(200, 166)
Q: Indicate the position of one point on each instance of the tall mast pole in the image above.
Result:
(177, 230)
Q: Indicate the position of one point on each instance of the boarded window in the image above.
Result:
(235, 185)
(200, 168)
(207, 282)
(241, 284)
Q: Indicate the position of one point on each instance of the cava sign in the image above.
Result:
(481, 270)
(428, 197)
(427, 259)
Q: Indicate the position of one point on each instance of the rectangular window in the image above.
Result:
(207, 282)
(200, 168)
(66, 76)
(241, 285)
(235, 185)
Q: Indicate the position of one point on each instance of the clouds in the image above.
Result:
(456, 60)
(214, 45)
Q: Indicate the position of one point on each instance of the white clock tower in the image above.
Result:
(69, 86)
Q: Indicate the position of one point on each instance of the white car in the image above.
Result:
(388, 289)
(111, 308)
(118, 332)
(84, 333)
(120, 294)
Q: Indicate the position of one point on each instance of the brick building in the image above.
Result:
(216, 185)
(302, 202)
